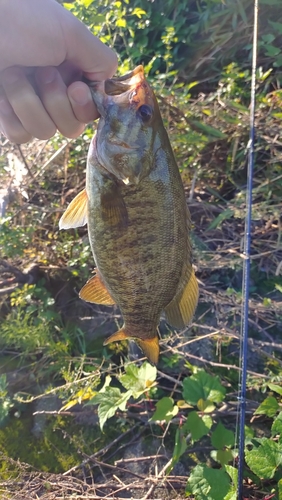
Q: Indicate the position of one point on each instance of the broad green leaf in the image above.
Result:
(208, 484)
(275, 388)
(180, 446)
(166, 410)
(198, 426)
(109, 401)
(277, 425)
(264, 459)
(268, 407)
(222, 456)
(222, 437)
(201, 385)
(139, 380)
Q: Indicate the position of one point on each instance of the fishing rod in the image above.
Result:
(247, 264)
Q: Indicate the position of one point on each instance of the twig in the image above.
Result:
(100, 452)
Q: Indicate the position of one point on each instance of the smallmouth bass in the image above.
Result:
(138, 220)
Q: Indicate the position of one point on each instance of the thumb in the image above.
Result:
(87, 52)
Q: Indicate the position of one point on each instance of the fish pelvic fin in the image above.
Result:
(180, 310)
(76, 213)
(95, 291)
(150, 346)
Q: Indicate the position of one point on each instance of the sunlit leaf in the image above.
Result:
(166, 410)
(109, 402)
(268, 407)
(139, 380)
(264, 458)
(201, 385)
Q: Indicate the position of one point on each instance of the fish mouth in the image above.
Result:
(130, 88)
(123, 147)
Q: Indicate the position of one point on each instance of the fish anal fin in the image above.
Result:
(95, 291)
(149, 346)
(180, 310)
(76, 213)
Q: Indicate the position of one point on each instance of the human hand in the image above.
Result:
(44, 53)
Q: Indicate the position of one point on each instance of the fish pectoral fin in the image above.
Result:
(150, 346)
(180, 310)
(95, 291)
(76, 213)
(114, 211)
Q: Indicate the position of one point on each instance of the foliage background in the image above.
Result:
(197, 57)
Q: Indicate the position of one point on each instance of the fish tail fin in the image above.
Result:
(150, 346)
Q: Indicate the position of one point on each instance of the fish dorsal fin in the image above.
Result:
(150, 347)
(76, 213)
(181, 309)
(95, 291)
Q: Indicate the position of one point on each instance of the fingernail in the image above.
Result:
(80, 95)
(5, 108)
(47, 75)
(12, 75)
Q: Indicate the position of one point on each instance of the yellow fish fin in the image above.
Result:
(150, 347)
(76, 213)
(180, 310)
(95, 291)
(114, 211)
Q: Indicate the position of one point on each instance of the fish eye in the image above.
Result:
(146, 112)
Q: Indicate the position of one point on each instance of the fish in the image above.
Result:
(138, 220)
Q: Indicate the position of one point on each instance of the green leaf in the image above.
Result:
(233, 473)
(198, 426)
(226, 214)
(277, 425)
(280, 489)
(222, 437)
(86, 3)
(222, 456)
(268, 407)
(201, 385)
(275, 388)
(139, 12)
(180, 447)
(166, 410)
(121, 23)
(109, 401)
(206, 129)
(208, 484)
(264, 459)
(139, 380)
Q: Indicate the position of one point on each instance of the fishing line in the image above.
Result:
(247, 265)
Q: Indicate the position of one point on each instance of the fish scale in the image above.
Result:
(138, 221)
